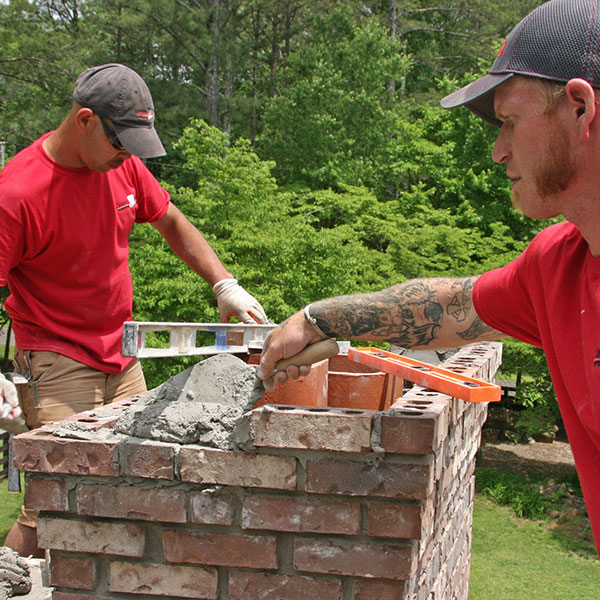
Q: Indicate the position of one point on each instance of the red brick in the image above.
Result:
(362, 478)
(89, 421)
(245, 469)
(72, 571)
(354, 385)
(147, 458)
(163, 580)
(341, 557)
(381, 590)
(64, 596)
(399, 520)
(44, 453)
(310, 390)
(313, 429)
(222, 549)
(97, 537)
(129, 502)
(412, 427)
(249, 586)
(211, 508)
(46, 494)
(424, 398)
(301, 515)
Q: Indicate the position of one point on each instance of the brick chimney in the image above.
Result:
(331, 503)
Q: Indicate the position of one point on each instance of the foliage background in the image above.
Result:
(304, 138)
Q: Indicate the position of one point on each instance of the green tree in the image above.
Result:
(225, 60)
(527, 365)
(268, 237)
(42, 53)
(446, 37)
(334, 113)
(441, 160)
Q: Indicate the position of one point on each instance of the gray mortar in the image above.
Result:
(201, 405)
(15, 578)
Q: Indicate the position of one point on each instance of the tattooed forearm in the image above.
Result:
(465, 285)
(475, 331)
(480, 331)
(408, 314)
(460, 306)
(416, 314)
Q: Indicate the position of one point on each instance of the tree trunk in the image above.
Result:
(230, 34)
(119, 36)
(274, 57)
(393, 33)
(228, 96)
(213, 71)
(255, 46)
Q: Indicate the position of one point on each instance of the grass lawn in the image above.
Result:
(10, 504)
(519, 559)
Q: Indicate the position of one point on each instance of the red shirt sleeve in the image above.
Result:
(502, 300)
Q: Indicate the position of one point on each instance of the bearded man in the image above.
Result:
(542, 92)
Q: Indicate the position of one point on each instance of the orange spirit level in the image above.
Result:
(435, 378)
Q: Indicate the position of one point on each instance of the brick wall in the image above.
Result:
(329, 503)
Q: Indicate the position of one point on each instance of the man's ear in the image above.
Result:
(582, 104)
(84, 118)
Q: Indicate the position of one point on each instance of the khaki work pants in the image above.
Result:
(59, 387)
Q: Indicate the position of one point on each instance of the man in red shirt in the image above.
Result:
(67, 205)
(543, 93)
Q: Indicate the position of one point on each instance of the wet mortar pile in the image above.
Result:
(201, 405)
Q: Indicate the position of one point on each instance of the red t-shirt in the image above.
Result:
(550, 297)
(64, 252)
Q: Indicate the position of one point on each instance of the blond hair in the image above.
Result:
(554, 92)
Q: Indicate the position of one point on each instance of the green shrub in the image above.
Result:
(527, 365)
(512, 490)
(540, 418)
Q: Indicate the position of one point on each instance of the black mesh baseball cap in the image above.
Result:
(558, 41)
(118, 93)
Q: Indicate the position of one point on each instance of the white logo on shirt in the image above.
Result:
(131, 202)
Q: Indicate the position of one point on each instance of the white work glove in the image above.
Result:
(233, 299)
(10, 411)
(9, 401)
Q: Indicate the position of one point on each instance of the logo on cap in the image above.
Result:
(502, 49)
(146, 115)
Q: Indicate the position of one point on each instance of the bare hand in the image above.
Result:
(292, 336)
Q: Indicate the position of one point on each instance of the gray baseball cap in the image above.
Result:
(118, 93)
(558, 41)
